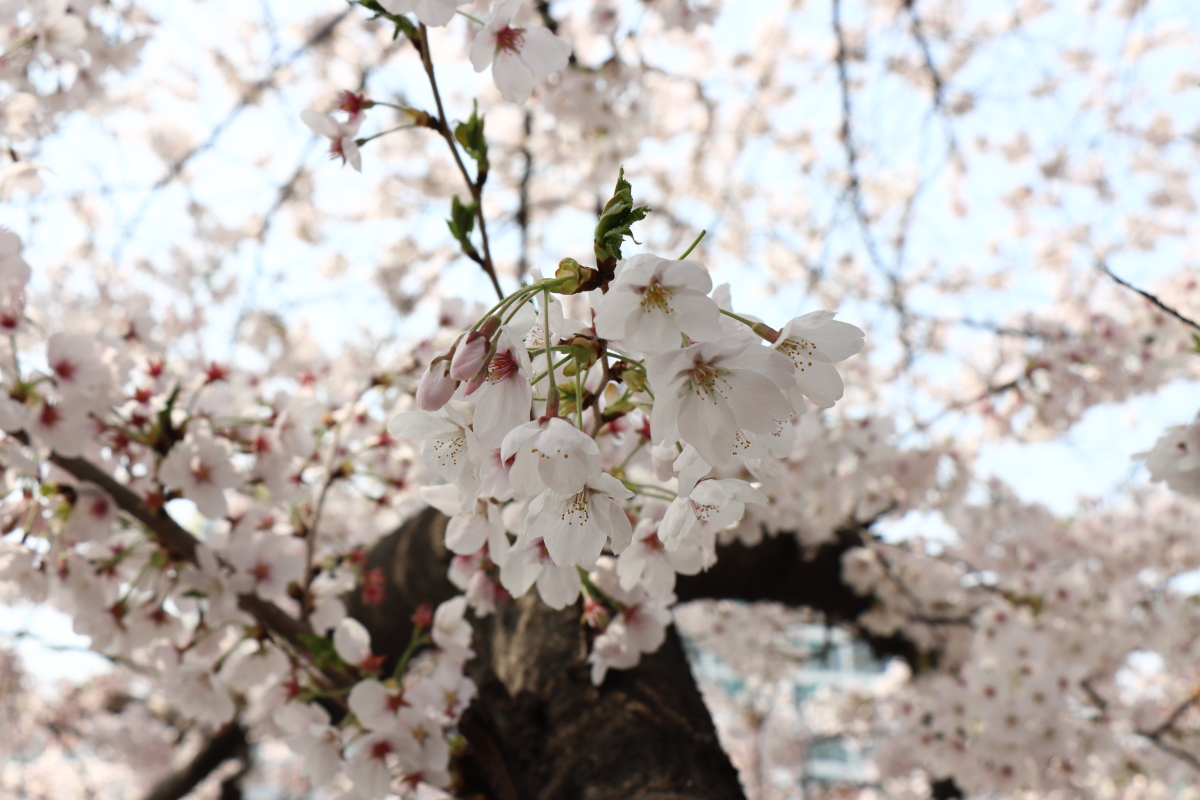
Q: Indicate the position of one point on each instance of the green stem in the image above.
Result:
(621, 467)
(624, 357)
(414, 643)
(474, 19)
(551, 389)
(361, 142)
(748, 322)
(579, 377)
(688, 252)
(538, 379)
(641, 488)
(596, 593)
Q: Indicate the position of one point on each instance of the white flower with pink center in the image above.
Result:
(648, 561)
(450, 631)
(640, 625)
(311, 737)
(62, 425)
(653, 300)
(341, 135)
(518, 55)
(13, 268)
(557, 586)
(1175, 458)
(376, 706)
(550, 453)
(432, 12)
(504, 400)
(576, 526)
(377, 754)
(266, 564)
(706, 392)
(200, 467)
(812, 342)
(74, 363)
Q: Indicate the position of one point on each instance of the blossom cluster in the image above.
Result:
(111, 442)
(560, 439)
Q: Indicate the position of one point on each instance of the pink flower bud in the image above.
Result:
(436, 386)
(423, 616)
(469, 357)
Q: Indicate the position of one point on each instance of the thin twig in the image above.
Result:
(475, 185)
(182, 545)
(1163, 306)
(523, 204)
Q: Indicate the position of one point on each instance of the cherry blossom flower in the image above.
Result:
(576, 526)
(433, 13)
(557, 586)
(1175, 458)
(352, 642)
(503, 401)
(341, 135)
(470, 356)
(266, 564)
(21, 175)
(199, 466)
(448, 446)
(376, 706)
(812, 341)
(517, 55)
(311, 737)
(649, 563)
(62, 425)
(376, 755)
(13, 269)
(18, 112)
(653, 300)
(466, 532)
(550, 453)
(450, 631)
(436, 387)
(92, 515)
(199, 694)
(74, 362)
(706, 392)
(640, 625)
(472, 574)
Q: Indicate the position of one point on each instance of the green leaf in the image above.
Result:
(403, 25)
(461, 223)
(616, 221)
(470, 135)
(1196, 342)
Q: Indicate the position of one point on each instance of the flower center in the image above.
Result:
(65, 369)
(657, 296)
(800, 351)
(201, 472)
(380, 750)
(510, 39)
(503, 367)
(49, 416)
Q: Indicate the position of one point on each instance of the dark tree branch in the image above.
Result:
(1153, 299)
(181, 546)
(229, 743)
(475, 185)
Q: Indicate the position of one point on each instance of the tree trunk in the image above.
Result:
(539, 729)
